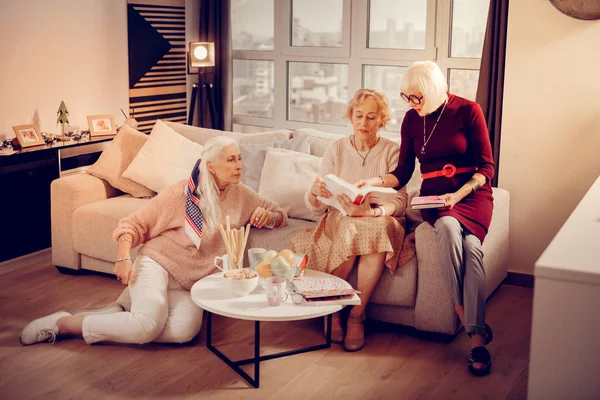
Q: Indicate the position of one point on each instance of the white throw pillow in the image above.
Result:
(320, 141)
(166, 158)
(286, 176)
(253, 156)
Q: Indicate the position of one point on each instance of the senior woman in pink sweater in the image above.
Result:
(179, 233)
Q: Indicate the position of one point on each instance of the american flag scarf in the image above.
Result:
(193, 214)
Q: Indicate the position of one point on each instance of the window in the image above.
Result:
(387, 80)
(298, 62)
(469, 19)
(317, 92)
(253, 88)
(463, 82)
(317, 29)
(397, 24)
(252, 22)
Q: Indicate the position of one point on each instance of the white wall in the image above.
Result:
(71, 50)
(550, 150)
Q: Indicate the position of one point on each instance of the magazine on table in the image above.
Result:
(337, 186)
(421, 202)
(326, 291)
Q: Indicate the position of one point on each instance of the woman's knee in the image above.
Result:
(449, 228)
(147, 327)
(185, 330)
(473, 247)
(448, 225)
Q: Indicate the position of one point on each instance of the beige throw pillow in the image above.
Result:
(115, 159)
(286, 176)
(166, 158)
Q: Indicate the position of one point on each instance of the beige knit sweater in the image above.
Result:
(159, 226)
(343, 160)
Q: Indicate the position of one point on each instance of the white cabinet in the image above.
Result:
(565, 337)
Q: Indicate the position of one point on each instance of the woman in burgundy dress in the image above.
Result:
(449, 137)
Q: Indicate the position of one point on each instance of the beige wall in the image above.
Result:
(71, 50)
(550, 150)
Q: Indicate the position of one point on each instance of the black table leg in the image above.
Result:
(235, 365)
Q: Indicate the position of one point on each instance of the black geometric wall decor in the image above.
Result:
(157, 61)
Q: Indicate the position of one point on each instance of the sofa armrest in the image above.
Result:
(66, 195)
(434, 311)
(495, 245)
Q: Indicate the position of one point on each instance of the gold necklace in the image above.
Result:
(368, 151)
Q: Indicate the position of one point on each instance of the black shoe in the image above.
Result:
(480, 355)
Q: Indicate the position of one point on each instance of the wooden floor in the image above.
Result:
(393, 365)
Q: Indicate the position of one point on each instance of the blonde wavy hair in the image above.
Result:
(381, 99)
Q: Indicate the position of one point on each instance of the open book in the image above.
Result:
(421, 202)
(337, 186)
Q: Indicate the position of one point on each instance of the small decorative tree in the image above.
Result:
(62, 117)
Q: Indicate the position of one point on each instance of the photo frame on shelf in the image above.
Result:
(102, 125)
(28, 135)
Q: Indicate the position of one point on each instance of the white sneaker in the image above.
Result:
(42, 329)
(110, 309)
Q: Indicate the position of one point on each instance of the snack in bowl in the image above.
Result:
(241, 282)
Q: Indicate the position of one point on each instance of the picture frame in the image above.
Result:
(102, 125)
(28, 135)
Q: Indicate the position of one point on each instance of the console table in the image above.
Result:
(25, 179)
(565, 353)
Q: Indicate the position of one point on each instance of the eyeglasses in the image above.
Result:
(411, 99)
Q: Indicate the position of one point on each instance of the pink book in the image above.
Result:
(418, 203)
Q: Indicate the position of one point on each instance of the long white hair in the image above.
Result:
(427, 78)
(207, 189)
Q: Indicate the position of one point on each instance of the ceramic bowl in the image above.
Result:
(241, 287)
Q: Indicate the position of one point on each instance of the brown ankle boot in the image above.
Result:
(355, 344)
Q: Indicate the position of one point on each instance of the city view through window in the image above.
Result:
(317, 92)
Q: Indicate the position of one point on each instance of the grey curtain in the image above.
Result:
(215, 27)
(490, 89)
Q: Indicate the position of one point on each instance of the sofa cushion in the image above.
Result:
(286, 177)
(253, 156)
(166, 158)
(201, 135)
(278, 238)
(94, 223)
(117, 157)
(397, 289)
(319, 140)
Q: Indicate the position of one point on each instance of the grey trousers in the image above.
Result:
(461, 259)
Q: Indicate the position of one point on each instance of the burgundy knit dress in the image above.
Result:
(460, 138)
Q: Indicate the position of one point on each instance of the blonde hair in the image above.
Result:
(381, 99)
(425, 77)
(207, 189)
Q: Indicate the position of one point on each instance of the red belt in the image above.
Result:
(448, 171)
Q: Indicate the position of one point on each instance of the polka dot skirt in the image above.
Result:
(337, 238)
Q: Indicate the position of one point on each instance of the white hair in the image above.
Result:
(207, 189)
(425, 77)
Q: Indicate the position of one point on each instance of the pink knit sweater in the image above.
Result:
(159, 226)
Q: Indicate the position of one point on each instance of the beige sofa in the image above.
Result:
(85, 210)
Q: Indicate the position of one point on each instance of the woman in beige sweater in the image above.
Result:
(179, 234)
(371, 235)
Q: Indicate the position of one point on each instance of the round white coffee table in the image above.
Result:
(212, 295)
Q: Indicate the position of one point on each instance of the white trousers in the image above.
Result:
(158, 310)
